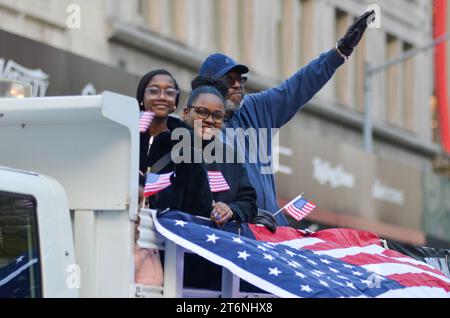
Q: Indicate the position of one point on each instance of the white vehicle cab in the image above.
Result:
(82, 222)
(35, 237)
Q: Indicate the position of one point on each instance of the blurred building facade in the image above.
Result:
(394, 191)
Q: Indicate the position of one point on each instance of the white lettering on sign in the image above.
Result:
(336, 177)
(388, 194)
(16, 72)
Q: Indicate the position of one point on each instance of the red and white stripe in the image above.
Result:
(300, 214)
(217, 182)
(145, 121)
(364, 249)
(162, 183)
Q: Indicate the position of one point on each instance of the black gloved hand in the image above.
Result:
(354, 33)
(265, 218)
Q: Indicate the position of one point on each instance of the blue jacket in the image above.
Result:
(273, 108)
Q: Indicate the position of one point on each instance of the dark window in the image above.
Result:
(20, 270)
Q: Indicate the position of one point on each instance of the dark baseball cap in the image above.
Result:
(217, 65)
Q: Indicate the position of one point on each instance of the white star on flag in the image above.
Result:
(325, 261)
(306, 288)
(290, 253)
(333, 270)
(292, 264)
(212, 238)
(317, 273)
(238, 240)
(180, 223)
(320, 273)
(274, 271)
(297, 264)
(350, 285)
(300, 275)
(243, 255)
(269, 257)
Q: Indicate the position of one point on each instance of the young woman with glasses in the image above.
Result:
(158, 92)
(205, 113)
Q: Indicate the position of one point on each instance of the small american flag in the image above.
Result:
(217, 182)
(156, 183)
(299, 208)
(145, 121)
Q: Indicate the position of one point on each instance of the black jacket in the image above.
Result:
(241, 198)
(190, 190)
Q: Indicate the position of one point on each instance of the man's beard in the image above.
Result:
(231, 107)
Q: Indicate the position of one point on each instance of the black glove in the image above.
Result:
(354, 33)
(265, 218)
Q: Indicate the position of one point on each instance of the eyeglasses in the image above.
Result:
(231, 80)
(203, 113)
(155, 92)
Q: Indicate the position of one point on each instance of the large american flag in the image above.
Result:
(145, 120)
(156, 183)
(291, 263)
(217, 182)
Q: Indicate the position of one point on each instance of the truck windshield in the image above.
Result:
(20, 275)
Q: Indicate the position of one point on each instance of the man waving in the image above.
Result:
(274, 107)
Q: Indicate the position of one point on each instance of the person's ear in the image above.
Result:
(185, 114)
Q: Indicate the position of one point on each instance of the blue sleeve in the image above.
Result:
(245, 204)
(274, 107)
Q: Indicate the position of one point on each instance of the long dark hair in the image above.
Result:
(144, 82)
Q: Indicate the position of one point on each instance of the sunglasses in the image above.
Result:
(231, 80)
